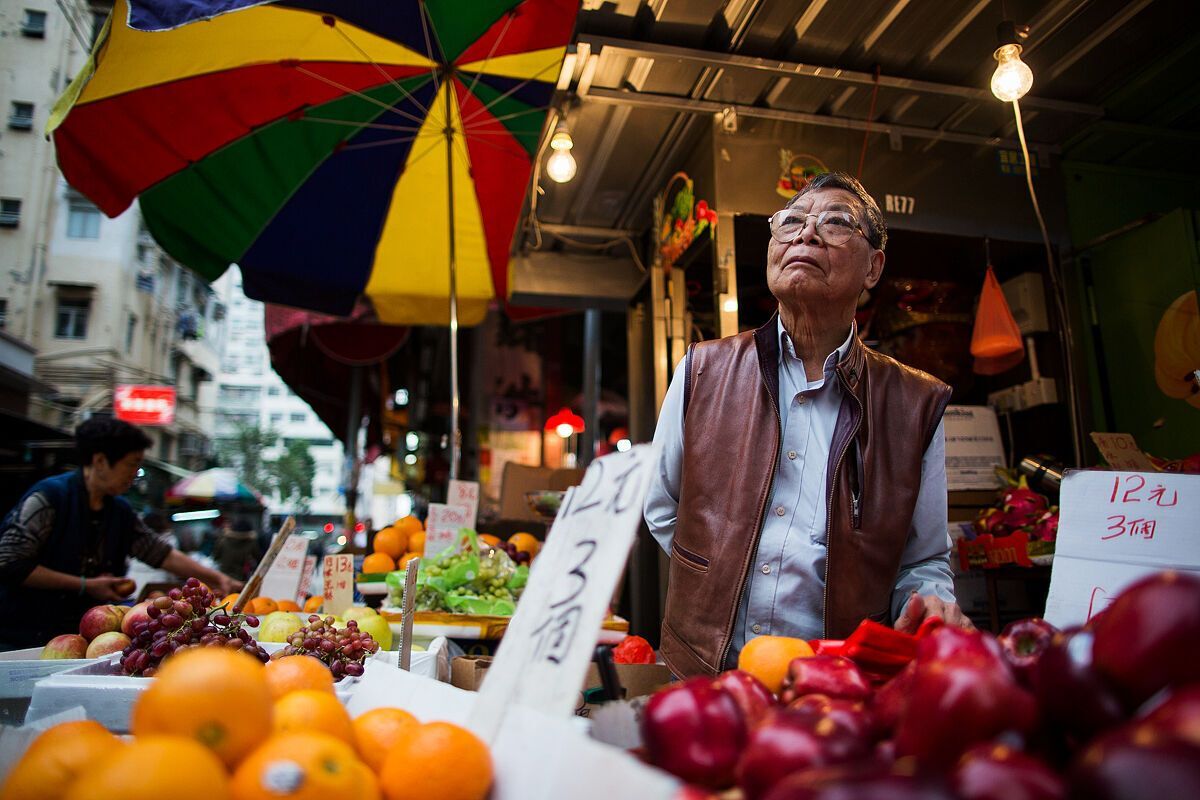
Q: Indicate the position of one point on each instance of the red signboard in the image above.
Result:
(145, 405)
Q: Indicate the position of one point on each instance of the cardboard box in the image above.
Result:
(467, 672)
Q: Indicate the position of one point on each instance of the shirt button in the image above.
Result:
(780, 511)
(756, 628)
(802, 399)
(766, 569)
(792, 455)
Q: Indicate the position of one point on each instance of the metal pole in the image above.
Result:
(591, 385)
(454, 434)
(353, 423)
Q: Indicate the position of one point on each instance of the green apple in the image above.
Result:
(278, 626)
(379, 629)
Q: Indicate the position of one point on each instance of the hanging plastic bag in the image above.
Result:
(996, 341)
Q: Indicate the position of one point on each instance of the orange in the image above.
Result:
(261, 605)
(293, 673)
(313, 604)
(489, 540)
(56, 757)
(439, 760)
(214, 695)
(378, 562)
(409, 524)
(525, 543)
(377, 730)
(154, 768)
(390, 542)
(229, 599)
(416, 542)
(407, 557)
(314, 711)
(368, 788)
(300, 766)
(287, 605)
(767, 658)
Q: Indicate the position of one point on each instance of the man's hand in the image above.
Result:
(919, 607)
(104, 589)
(226, 586)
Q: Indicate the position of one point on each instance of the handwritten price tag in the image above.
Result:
(441, 527)
(1114, 528)
(1121, 451)
(339, 583)
(465, 494)
(310, 565)
(550, 640)
(283, 578)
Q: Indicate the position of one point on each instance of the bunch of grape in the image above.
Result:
(183, 619)
(344, 650)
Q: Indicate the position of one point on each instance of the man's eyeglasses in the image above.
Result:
(834, 227)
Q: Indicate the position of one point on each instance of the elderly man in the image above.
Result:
(801, 484)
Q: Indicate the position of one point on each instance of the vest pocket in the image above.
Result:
(688, 558)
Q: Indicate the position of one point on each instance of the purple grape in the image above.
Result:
(171, 621)
(354, 669)
(175, 594)
(252, 620)
(162, 603)
(152, 612)
(182, 608)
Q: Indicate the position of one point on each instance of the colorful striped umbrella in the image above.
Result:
(333, 149)
(216, 486)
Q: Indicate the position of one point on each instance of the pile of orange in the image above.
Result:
(244, 731)
(260, 605)
(396, 545)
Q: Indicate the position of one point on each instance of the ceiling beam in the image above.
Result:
(1049, 21)
(952, 33)
(871, 38)
(634, 49)
(1095, 38)
(707, 107)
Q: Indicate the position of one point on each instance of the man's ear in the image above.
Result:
(99, 460)
(874, 270)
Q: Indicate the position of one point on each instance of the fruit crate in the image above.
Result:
(108, 697)
(20, 670)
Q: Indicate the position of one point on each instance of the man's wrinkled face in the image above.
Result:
(812, 271)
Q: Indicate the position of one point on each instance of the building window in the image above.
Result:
(273, 391)
(71, 320)
(20, 116)
(3, 313)
(181, 287)
(130, 327)
(297, 416)
(276, 418)
(10, 212)
(34, 24)
(83, 218)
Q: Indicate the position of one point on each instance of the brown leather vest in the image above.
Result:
(731, 442)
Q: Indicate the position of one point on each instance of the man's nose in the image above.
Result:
(808, 234)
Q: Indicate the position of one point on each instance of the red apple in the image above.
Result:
(69, 645)
(1069, 691)
(851, 716)
(859, 785)
(997, 772)
(99, 619)
(1136, 762)
(891, 699)
(946, 644)
(832, 676)
(1149, 637)
(787, 742)
(105, 643)
(133, 617)
(955, 704)
(695, 730)
(1023, 642)
(1179, 714)
(748, 692)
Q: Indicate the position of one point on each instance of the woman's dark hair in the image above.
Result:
(113, 437)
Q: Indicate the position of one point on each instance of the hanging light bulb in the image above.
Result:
(561, 165)
(1013, 78)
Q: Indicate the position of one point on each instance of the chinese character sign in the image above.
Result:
(339, 583)
(144, 405)
(441, 526)
(465, 494)
(283, 577)
(1114, 528)
(550, 641)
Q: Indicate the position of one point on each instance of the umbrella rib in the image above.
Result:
(426, 25)
(381, 70)
(536, 110)
(360, 95)
(352, 124)
(509, 93)
(492, 52)
(502, 149)
(380, 143)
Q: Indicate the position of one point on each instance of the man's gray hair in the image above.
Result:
(873, 225)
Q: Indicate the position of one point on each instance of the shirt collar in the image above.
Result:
(832, 360)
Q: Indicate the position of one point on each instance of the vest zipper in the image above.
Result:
(762, 516)
(856, 492)
(837, 467)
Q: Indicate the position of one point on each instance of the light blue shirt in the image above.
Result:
(784, 594)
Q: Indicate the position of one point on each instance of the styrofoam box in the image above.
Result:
(108, 697)
(21, 669)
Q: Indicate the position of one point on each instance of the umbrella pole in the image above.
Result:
(454, 401)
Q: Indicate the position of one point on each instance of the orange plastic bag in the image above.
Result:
(996, 334)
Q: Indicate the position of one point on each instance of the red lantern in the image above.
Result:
(565, 423)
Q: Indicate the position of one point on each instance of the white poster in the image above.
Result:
(973, 448)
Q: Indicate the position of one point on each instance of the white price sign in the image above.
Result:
(282, 580)
(441, 527)
(465, 494)
(310, 565)
(549, 643)
(339, 584)
(1117, 527)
